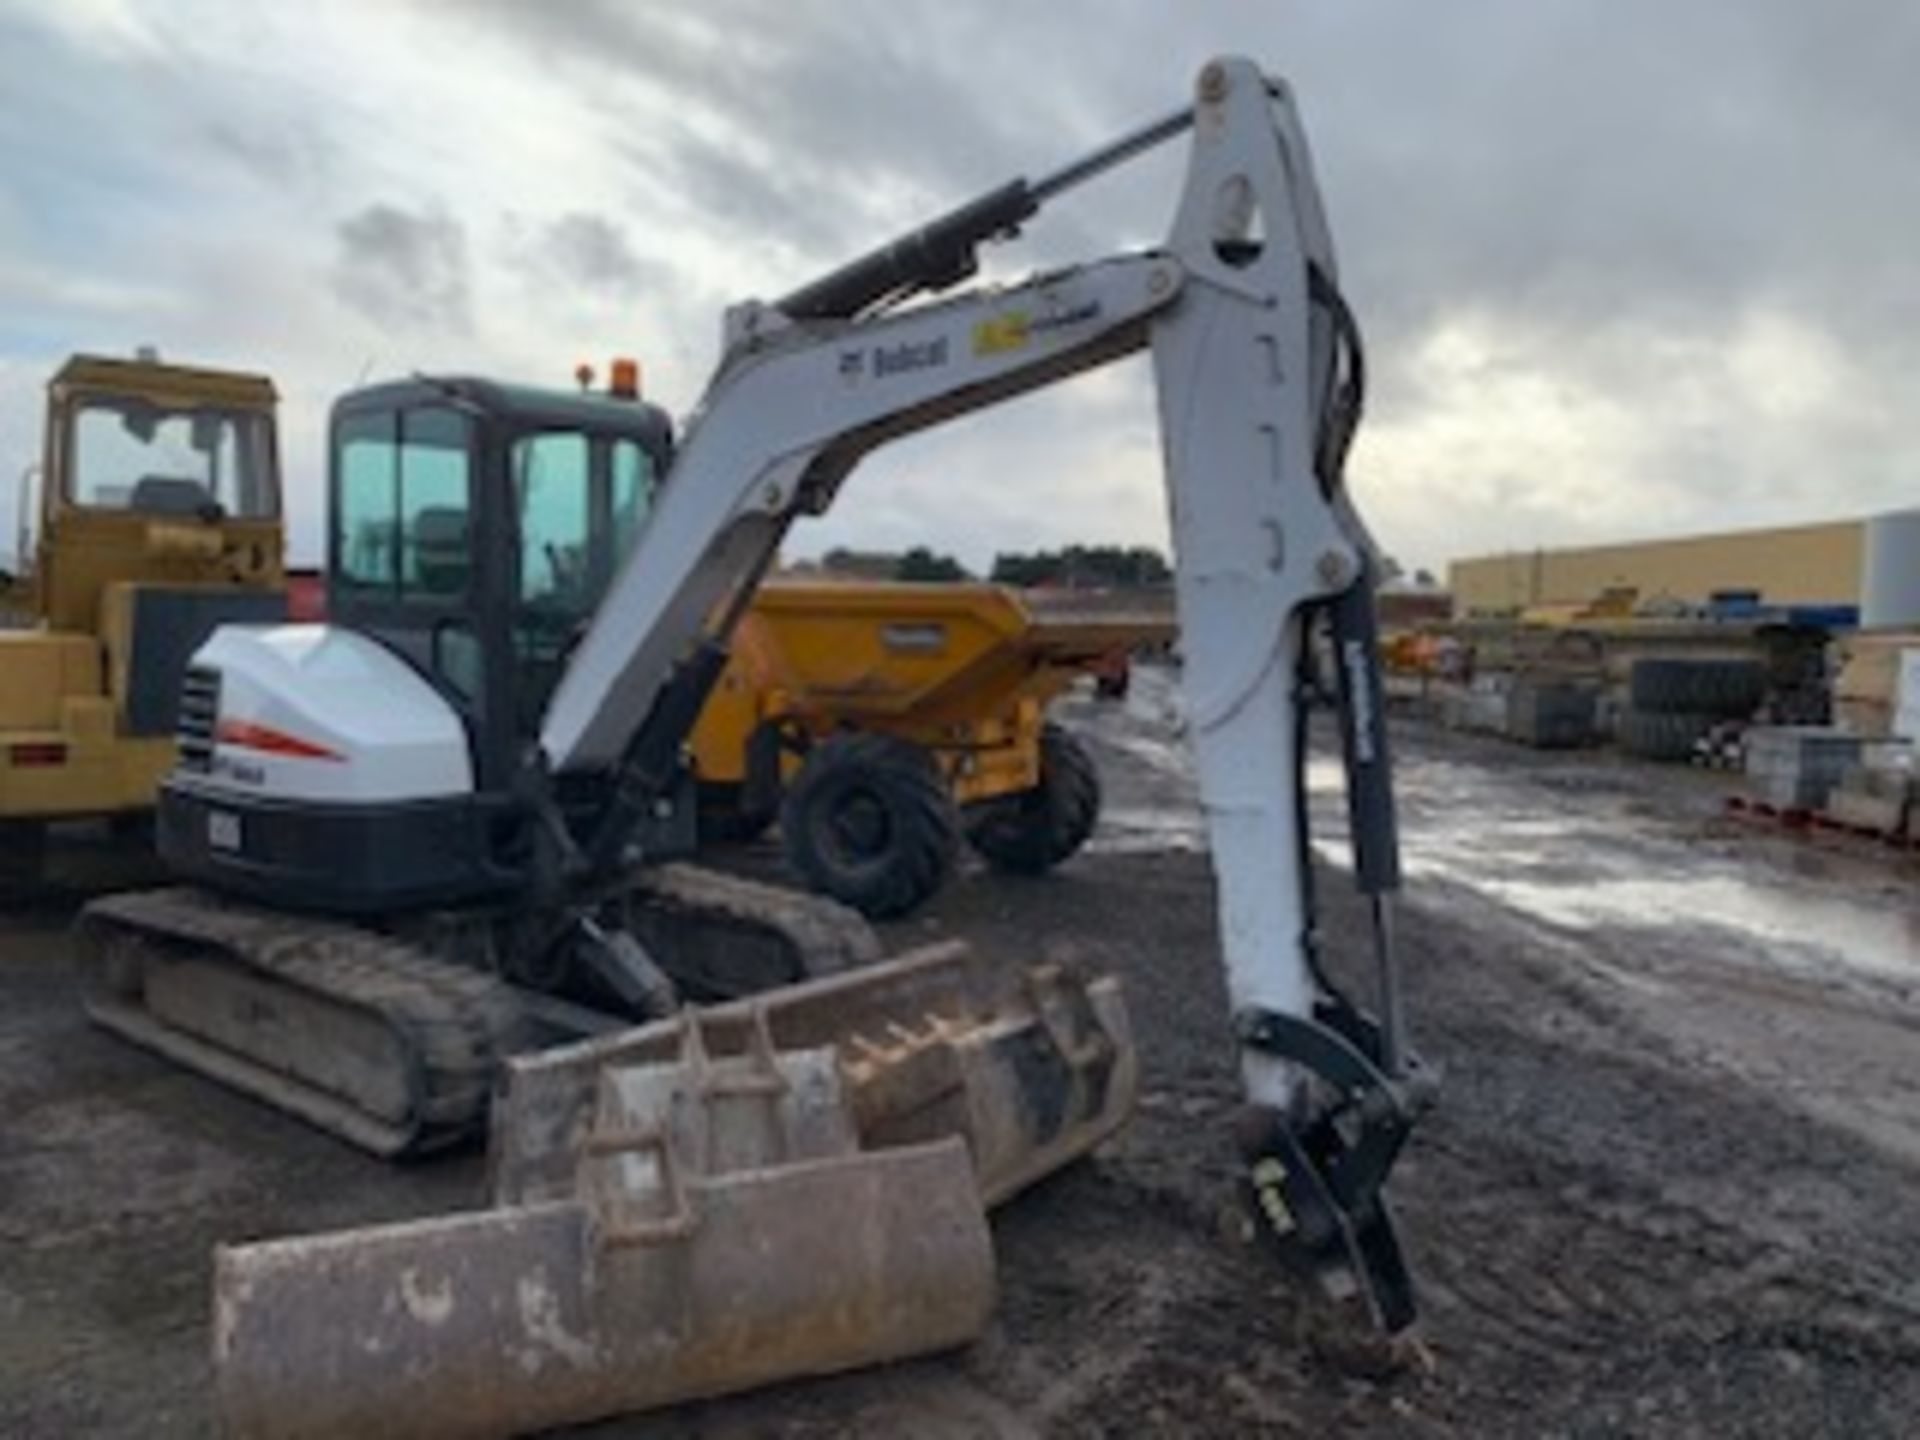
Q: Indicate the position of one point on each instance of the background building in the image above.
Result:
(1793, 565)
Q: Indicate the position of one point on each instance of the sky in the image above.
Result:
(1626, 268)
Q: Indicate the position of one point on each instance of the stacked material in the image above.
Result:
(1674, 701)
(1906, 696)
(1866, 685)
(1722, 748)
(1552, 714)
(1796, 767)
(1877, 794)
(1480, 705)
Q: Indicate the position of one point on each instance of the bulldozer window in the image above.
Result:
(131, 454)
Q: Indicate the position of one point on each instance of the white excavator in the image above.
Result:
(445, 828)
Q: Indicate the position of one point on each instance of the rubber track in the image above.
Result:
(456, 1022)
(825, 936)
(453, 1020)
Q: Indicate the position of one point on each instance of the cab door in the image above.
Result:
(580, 499)
(407, 551)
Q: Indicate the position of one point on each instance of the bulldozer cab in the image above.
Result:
(158, 473)
(475, 528)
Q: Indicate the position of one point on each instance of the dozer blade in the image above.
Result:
(721, 1230)
(1031, 1075)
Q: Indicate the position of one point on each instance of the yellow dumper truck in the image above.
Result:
(880, 723)
(154, 516)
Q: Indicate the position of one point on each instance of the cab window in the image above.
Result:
(403, 503)
(632, 495)
(132, 454)
(553, 483)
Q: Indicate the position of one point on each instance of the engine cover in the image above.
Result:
(319, 712)
(319, 770)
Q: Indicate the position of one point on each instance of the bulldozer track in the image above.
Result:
(449, 1024)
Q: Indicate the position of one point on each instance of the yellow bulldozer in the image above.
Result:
(153, 516)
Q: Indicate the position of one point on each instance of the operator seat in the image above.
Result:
(442, 557)
(170, 495)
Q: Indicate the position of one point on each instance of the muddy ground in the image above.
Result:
(1670, 1190)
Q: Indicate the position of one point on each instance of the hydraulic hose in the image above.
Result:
(1346, 393)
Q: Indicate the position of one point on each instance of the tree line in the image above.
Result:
(1113, 567)
(1118, 567)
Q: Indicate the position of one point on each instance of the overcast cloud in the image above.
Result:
(1626, 267)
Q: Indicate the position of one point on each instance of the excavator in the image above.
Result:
(444, 830)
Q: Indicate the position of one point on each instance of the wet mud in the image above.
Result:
(1669, 1189)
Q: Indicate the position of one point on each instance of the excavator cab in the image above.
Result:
(475, 527)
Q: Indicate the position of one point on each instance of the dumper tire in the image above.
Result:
(23, 862)
(1666, 736)
(871, 821)
(1030, 833)
(1725, 689)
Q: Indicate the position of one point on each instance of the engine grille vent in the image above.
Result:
(199, 711)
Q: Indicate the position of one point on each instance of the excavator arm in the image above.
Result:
(1258, 371)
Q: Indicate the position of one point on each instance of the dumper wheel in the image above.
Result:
(23, 861)
(1030, 833)
(870, 821)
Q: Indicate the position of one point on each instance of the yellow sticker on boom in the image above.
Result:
(998, 334)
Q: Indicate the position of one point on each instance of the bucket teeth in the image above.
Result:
(1031, 1077)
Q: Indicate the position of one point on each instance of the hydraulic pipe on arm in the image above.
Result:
(1256, 364)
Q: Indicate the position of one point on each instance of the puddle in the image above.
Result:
(1168, 757)
(1583, 858)
(1873, 938)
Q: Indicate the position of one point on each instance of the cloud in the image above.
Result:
(1624, 267)
(593, 252)
(396, 266)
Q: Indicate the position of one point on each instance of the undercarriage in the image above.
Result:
(389, 1034)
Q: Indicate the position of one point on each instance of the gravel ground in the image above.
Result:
(1668, 1191)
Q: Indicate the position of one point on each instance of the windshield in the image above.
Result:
(131, 454)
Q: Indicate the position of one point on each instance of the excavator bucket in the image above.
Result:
(721, 1229)
(1032, 1072)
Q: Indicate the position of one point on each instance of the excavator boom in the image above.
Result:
(1257, 364)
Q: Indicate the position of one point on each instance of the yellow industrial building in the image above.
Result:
(1792, 565)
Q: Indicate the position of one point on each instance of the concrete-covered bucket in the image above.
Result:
(720, 1228)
